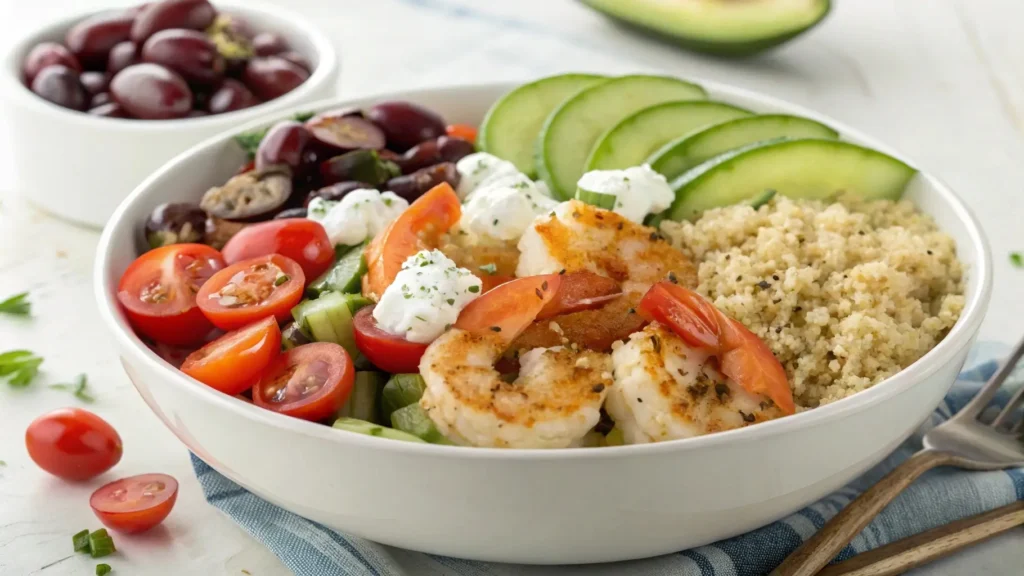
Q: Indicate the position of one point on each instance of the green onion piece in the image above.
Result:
(81, 541)
(101, 544)
(599, 199)
(102, 569)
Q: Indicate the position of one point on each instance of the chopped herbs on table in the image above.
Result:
(1017, 259)
(19, 367)
(78, 389)
(81, 541)
(101, 544)
(17, 305)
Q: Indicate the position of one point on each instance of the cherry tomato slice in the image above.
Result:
(158, 292)
(302, 240)
(464, 131)
(231, 362)
(386, 351)
(311, 382)
(136, 503)
(251, 290)
(73, 444)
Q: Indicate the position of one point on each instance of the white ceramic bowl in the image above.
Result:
(532, 506)
(80, 167)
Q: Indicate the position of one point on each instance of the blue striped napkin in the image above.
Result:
(309, 549)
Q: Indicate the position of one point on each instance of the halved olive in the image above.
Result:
(342, 130)
(335, 191)
(361, 165)
(249, 194)
(219, 231)
(175, 223)
(412, 186)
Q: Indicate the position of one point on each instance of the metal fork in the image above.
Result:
(963, 441)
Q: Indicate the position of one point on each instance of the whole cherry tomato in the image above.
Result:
(73, 444)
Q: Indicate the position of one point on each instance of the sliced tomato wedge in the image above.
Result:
(251, 290)
(300, 239)
(231, 362)
(158, 292)
(464, 131)
(310, 382)
(386, 351)
(136, 503)
(418, 228)
(510, 308)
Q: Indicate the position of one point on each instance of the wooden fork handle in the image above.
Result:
(821, 548)
(918, 550)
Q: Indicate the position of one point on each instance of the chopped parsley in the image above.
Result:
(19, 367)
(489, 268)
(17, 305)
(282, 279)
(1017, 259)
(450, 301)
(78, 389)
(474, 289)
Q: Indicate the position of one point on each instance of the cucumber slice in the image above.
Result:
(573, 128)
(689, 150)
(599, 199)
(509, 130)
(414, 420)
(816, 169)
(327, 319)
(633, 139)
(400, 391)
(362, 402)
(344, 276)
(371, 429)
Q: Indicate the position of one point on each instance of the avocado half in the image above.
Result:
(720, 27)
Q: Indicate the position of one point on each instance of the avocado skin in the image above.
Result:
(728, 49)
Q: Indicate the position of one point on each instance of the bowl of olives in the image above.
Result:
(119, 92)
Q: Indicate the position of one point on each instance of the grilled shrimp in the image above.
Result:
(578, 236)
(557, 395)
(692, 371)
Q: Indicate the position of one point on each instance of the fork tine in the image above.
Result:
(1007, 412)
(988, 391)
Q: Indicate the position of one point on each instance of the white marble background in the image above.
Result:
(942, 81)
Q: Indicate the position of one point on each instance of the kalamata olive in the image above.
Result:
(166, 14)
(297, 59)
(360, 165)
(268, 44)
(91, 39)
(291, 213)
(412, 186)
(430, 152)
(219, 231)
(189, 53)
(271, 77)
(100, 99)
(405, 124)
(151, 92)
(283, 144)
(197, 113)
(93, 82)
(230, 96)
(335, 192)
(45, 54)
(175, 223)
(109, 110)
(340, 131)
(121, 56)
(60, 85)
(249, 195)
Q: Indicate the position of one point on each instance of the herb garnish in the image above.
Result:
(78, 389)
(489, 268)
(20, 367)
(1017, 259)
(18, 305)
(102, 569)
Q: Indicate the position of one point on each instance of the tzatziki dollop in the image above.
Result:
(638, 191)
(359, 216)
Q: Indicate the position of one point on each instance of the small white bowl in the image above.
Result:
(80, 167)
(533, 506)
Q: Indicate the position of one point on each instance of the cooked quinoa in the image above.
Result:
(845, 294)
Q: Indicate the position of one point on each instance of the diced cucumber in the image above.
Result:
(572, 129)
(344, 276)
(371, 429)
(400, 391)
(510, 128)
(414, 420)
(327, 319)
(689, 150)
(599, 199)
(811, 168)
(362, 402)
(637, 136)
(615, 437)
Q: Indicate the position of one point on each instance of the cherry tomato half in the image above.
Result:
(231, 363)
(73, 444)
(464, 131)
(300, 239)
(386, 351)
(136, 503)
(158, 292)
(251, 290)
(311, 382)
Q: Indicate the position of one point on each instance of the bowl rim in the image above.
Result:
(959, 336)
(16, 90)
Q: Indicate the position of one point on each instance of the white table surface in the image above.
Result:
(944, 83)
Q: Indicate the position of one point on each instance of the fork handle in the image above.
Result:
(821, 548)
